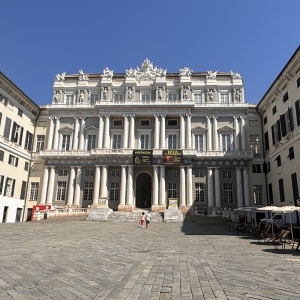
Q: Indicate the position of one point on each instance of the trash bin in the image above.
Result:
(45, 215)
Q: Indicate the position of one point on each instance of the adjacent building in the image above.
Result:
(143, 137)
(18, 114)
(280, 112)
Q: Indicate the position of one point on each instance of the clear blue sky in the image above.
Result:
(42, 38)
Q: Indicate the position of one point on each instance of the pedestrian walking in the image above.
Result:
(148, 219)
(142, 219)
(205, 212)
(219, 213)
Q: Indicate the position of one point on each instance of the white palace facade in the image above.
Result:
(139, 138)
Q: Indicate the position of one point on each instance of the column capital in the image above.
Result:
(125, 115)
(182, 115)
(81, 118)
(51, 118)
(123, 166)
(163, 115)
(242, 117)
(208, 117)
(188, 115)
(52, 167)
(132, 116)
(181, 167)
(215, 117)
(101, 116)
(162, 166)
(57, 118)
(238, 168)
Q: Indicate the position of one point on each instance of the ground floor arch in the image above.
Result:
(143, 191)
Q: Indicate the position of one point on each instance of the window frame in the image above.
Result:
(258, 194)
(199, 192)
(34, 191)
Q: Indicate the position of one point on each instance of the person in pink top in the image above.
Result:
(142, 220)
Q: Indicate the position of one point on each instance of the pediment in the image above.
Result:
(91, 128)
(66, 128)
(199, 128)
(226, 129)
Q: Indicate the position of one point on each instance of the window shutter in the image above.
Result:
(17, 161)
(7, 128)
(281, 190)
(265, 168)
(273, 134)
(5, 188)
(12, 135)
(267, 140)
(21, 136)
(291, 118)
(1, 155)
(9, 159)
(0, 117)
(283, 126)
(279, 130)
(13, 188)
(297, 106)
(23, 189)
(1, 183)
(295, 186)
(30, 141)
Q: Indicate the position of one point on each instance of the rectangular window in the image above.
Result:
(271, 193)
(144, 141)
(62, 172)
(65, 145)
(172, 173)
(199, 173)
(13, 160)
(16, 129)
(40, 143)
(224, 98)
(18, 215)
(228, 192)
(225, 142)
(199, 189)
(26, 166)
(285, 97)
(297, 107)
(172, 122)
(199, 142)
(266, 135)
(227, 174)
(91, 142)
(94, 98)
(0, 117)
(172, 141)
(295, 186)
(114, 191)
(23, 190)
(1, 183)
(1, 155)
(34, 191)
(145, 97)
(256, 168)
(9, 187)
(281, 190)
(198, 98)
(61, 190)
(145, 122)
(119, 97)
(172, 190)
(291, 153)
(117, 141)
(274, 110)
(69, 99)
(7, 128)
(265, 120)
(88, 191)
(278, 159)
(172, 97)
(257, 194)
(298, 82)
(89, 173)
(28, 141)
(254, 143)
(20, 112)
(115, 173)
(118, 123)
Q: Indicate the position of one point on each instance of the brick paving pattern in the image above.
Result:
(70, 258)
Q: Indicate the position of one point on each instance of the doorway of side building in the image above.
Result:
(143, 191)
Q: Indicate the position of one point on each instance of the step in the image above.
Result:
(117, 216)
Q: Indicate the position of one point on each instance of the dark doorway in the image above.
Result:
(143, 191)
(4, 214)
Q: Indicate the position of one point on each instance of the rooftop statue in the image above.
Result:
(82, 76)
(146, 71)
(60, 77)
(107, 73)
(235, 75)
(211, 74)
(185, 72)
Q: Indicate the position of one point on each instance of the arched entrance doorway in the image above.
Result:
(143, 191)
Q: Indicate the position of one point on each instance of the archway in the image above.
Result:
(143, 191)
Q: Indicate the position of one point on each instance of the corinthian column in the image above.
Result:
(236, 134)
(188, 132)
(96, 185)
(75, 139)
(246, 186)
(106, 132)
(208, 132)
(243, 130)
(210, 187)
(71, 186)
(77, 186)
(56, 134)
(162, 185)
(131, 136)
(182, 186)
(100, 132)
(50, 134)
(123, 185)
(215, 134)
(163, 132)
(51, 186)
(155, 186)
(81, 138)
(156, 132)
(129, 199)
(182, 132)
(190, 186)
(239, 187)
(103, 186)
(217, 187)
(125, 134)
(45, 185)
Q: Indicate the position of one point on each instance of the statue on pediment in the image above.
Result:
(82, 76)
(81, 97)
(160, 91)
(146, 71)
(60, 77)
(131, 72)
(237, 96)
(235, 75)
(185, 93)
(129, 94)
(211, 74)
(107, 73)
(210, 95)
(56, 97)
(185, 72)
(105, 93)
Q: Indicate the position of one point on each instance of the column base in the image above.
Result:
(186, 210)
(158, 208)
(125, 208)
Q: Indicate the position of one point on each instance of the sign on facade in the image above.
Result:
(173, 202)
(102, 201)
(171, 157)
(142, 157)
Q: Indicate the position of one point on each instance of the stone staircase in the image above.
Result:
(117, 216)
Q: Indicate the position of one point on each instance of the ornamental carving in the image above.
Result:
(211, 74)
(210, 95)
(82, 76)
(237, 96)
(146, 71)
(107, 73)
(60, 77)
(235, 75)
(56, 97)
(185, 72)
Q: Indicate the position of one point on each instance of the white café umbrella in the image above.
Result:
(272, 209)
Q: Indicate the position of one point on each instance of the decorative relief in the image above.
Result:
(235, 75)
(211, 74)
(237, 96)
(146, 71)
(60, 77)
(185, 93)
(210, 95)
(220, 162)
(105, 93)
(107, 73)
(129, 93)
(227, 163)
(185, 72)
(82, 76)
(81, 97)
(234, 163)
(159, 93)
(56, 96)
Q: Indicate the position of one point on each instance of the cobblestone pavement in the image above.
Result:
(77, 259)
